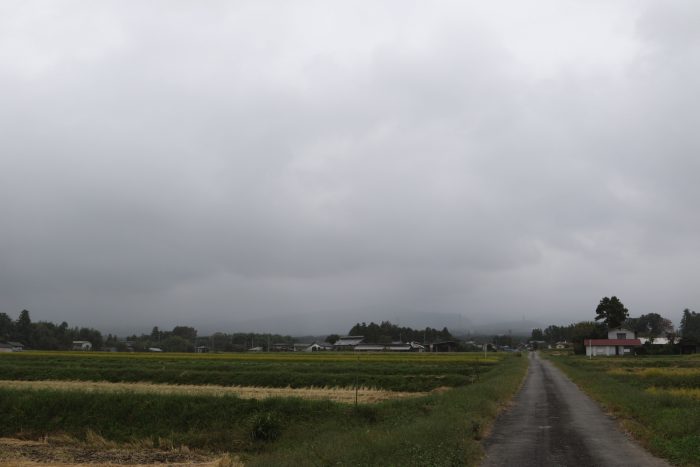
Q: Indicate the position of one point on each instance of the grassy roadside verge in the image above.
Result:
(665, 424)
(442, 428)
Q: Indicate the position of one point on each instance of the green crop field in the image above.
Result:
(657, 398)
(396, 372)
(457, 397)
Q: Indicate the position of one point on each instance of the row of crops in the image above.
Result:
(438, 428)
(413, 372)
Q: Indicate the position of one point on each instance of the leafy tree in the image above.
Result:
(575, 333)
(554, 334)
(186, 332)
(503, 340)
(585, 330)
(45, 337)
(6, 326)
(612, 312)
(650, 325)
(176, 344)
(690, 327)
(387, 332)
(331, 339)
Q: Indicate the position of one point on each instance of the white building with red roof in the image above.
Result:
(619, 342)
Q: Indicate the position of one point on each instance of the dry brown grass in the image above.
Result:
(60, 452)
(344, 395)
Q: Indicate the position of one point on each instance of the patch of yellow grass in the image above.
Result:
(692, 393)
(649, 372)
(429, 357)
(344, 395)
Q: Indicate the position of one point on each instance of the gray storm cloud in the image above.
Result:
(221, 162)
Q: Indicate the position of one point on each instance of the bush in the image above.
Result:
(266, 427)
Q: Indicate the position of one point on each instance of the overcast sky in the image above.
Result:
(216, 163)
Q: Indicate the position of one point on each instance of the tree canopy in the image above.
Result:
(650, 325)
(612, 312)
(690, 327)
(385, 332)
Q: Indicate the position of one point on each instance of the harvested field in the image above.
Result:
(343, 395)
(276, 409)
(62, 452)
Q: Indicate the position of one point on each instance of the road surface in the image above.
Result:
(553, 423)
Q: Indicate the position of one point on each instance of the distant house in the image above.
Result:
(201, 349)
(283, 347)
(82, 345)
(315, 347)
(369, 347)
(5, 348)
(561, 345)
(348, 342)
(444, 346)
(619, 342)
(405, 347)
(16, 346)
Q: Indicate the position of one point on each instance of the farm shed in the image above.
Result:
(316, 347)
(444, 346)
(348, 342)
(82, 345)
(283, 347)
(405, 347)
(16, 346)
(370, 347)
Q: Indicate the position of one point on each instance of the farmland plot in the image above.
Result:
(270, 409)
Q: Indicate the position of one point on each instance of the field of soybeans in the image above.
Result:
(259, 409)
(656, 398)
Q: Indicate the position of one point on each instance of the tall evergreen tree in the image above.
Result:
(23, 327)
(612, 312)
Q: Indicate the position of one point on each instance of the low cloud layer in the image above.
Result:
(215, 164)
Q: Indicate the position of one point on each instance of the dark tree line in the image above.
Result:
(44, 335)
(574, 333)
(184, 339)
(385, 333)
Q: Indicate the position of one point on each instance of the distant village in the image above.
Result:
(613, 333)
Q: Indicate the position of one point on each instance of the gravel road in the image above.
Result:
(553, 423)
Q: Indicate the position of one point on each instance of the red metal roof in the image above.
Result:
(595, 342)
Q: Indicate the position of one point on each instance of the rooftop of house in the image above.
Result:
(349, 340)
